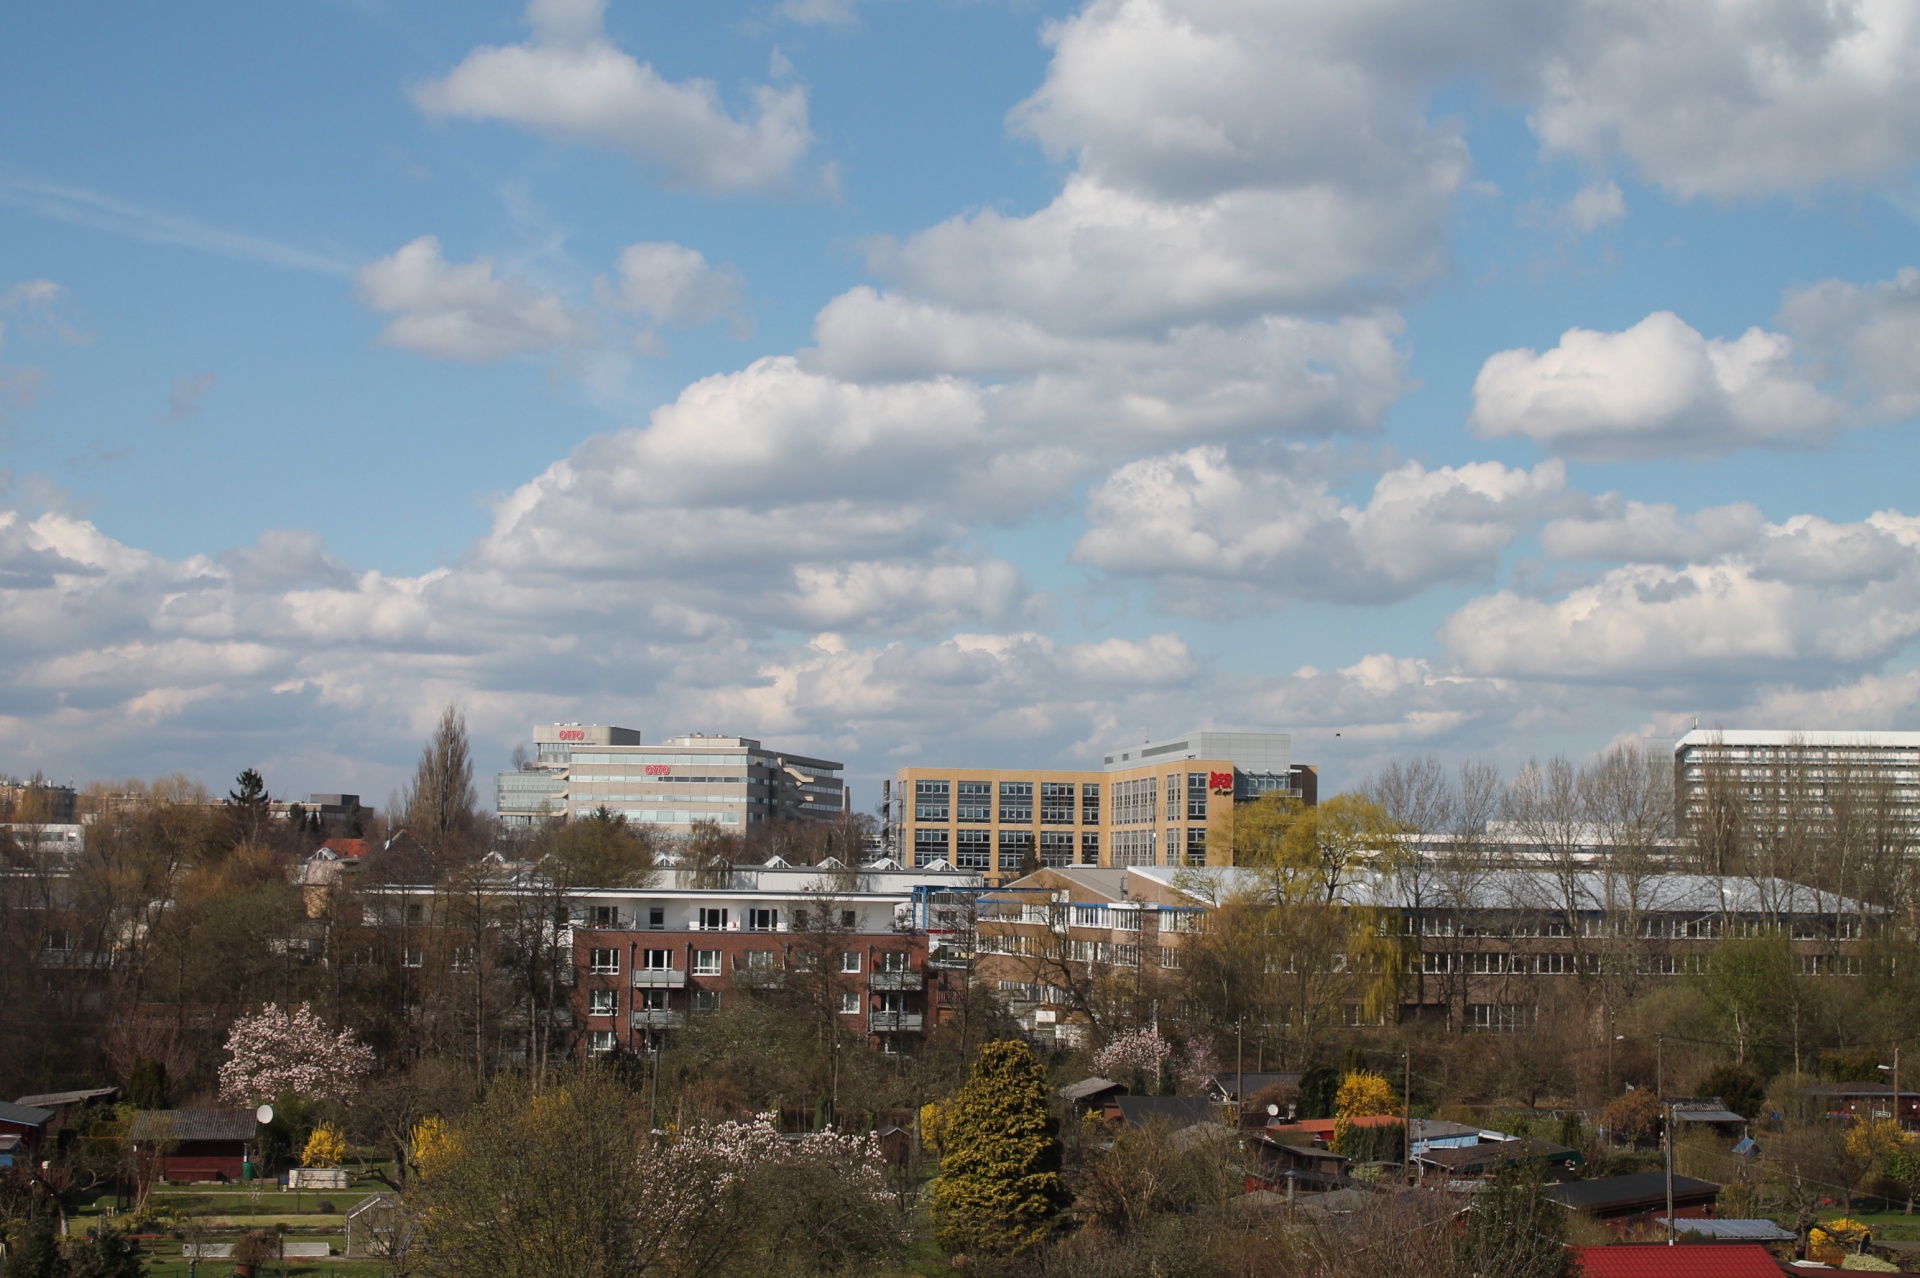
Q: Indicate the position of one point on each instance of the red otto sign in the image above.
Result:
(659, 770)
(573, 734)
(1220, 782)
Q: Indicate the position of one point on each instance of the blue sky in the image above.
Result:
(922, 382)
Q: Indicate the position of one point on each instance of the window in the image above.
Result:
(1016, 848)
(758, 960)
(600, 1042)
(1016, 803)
(656, 960)
(706, 1000)
(973, 801)
(603, 962)
(712, 920)
(763, 920)
(799, 920)
(849, 920)
(706, 962)
(1553, 964)
(1170, 956)
(603, 916)
(1056, 847)
(413, 956)
(461, 959)
(1484, 964)
(1090, 803)
(973, 849)
(603, 1002)
(849, 1003)
(1056, 803)
(894, 961)
(1126, 956)
(930, 846)
(657, 918)
(1196, 845)
(849, 960)
(930, 800)
(1196, 796)
(1498, 1018)
(1174, 787)
(654, 1001)
(1090, 848)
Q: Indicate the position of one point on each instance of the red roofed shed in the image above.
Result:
(1657, 1260)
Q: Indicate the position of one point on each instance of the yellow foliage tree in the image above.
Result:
(1876, 1138)
(435, 1145)
(1364, 1094)
(326, 1147)
(933, 1125)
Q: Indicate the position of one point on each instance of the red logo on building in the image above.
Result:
(573, 734)
(659, 770)
(1220, 782)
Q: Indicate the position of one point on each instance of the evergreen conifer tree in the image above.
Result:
(999, 1189)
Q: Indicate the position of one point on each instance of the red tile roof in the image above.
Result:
(347, 849)
(1694, 1260)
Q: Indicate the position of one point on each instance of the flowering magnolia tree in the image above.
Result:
(1134, 1053)
(274, 1052)
(1196, 1063)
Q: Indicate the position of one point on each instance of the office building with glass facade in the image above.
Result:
(1148, 805)
(731, 782)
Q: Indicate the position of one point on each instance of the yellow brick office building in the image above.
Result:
(1150, 804)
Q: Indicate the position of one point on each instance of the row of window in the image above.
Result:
(606, 962)
(1694, 964)
(716, 919)
(974, 849)
(973, 801)
(607, 1002)
(1674, 927)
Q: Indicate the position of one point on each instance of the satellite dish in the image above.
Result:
(264, 1114)
(1273, 1111)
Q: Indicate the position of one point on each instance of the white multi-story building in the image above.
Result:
(1756, 764)
(674, 785)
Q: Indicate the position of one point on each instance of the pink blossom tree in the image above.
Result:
(274, 1052)
(1136, 1055)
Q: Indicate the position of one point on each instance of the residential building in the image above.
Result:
(1152, 804)
(672, 786)
(37, 802)
(857, 946)
(880, 950)
(1481, 958)
(1782, 768)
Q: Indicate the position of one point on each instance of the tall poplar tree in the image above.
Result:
(999, 1190)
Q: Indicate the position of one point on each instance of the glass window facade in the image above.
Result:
(973, 801)
(1016, 849)
(973, 849)
(1056, 802)
(1016, 803)
(930, 800)
(930, 846)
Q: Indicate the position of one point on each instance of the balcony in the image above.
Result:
(760, 978)
(659, 978)
(895, 1022)
(645, 1020)
(909, 980)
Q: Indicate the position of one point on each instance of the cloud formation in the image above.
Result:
(570, 82)
(1658, 389)
(465, 312)
(1213, 537)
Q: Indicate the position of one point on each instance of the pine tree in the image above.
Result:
(999, 1189)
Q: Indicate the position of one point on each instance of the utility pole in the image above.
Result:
(1239, 1071)
(1666, 1128)
(1406, 1118)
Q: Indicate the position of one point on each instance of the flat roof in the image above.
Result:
(1794, 736)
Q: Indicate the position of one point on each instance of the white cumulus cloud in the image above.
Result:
(571, 82)
(464, 312)
(1657, 389)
